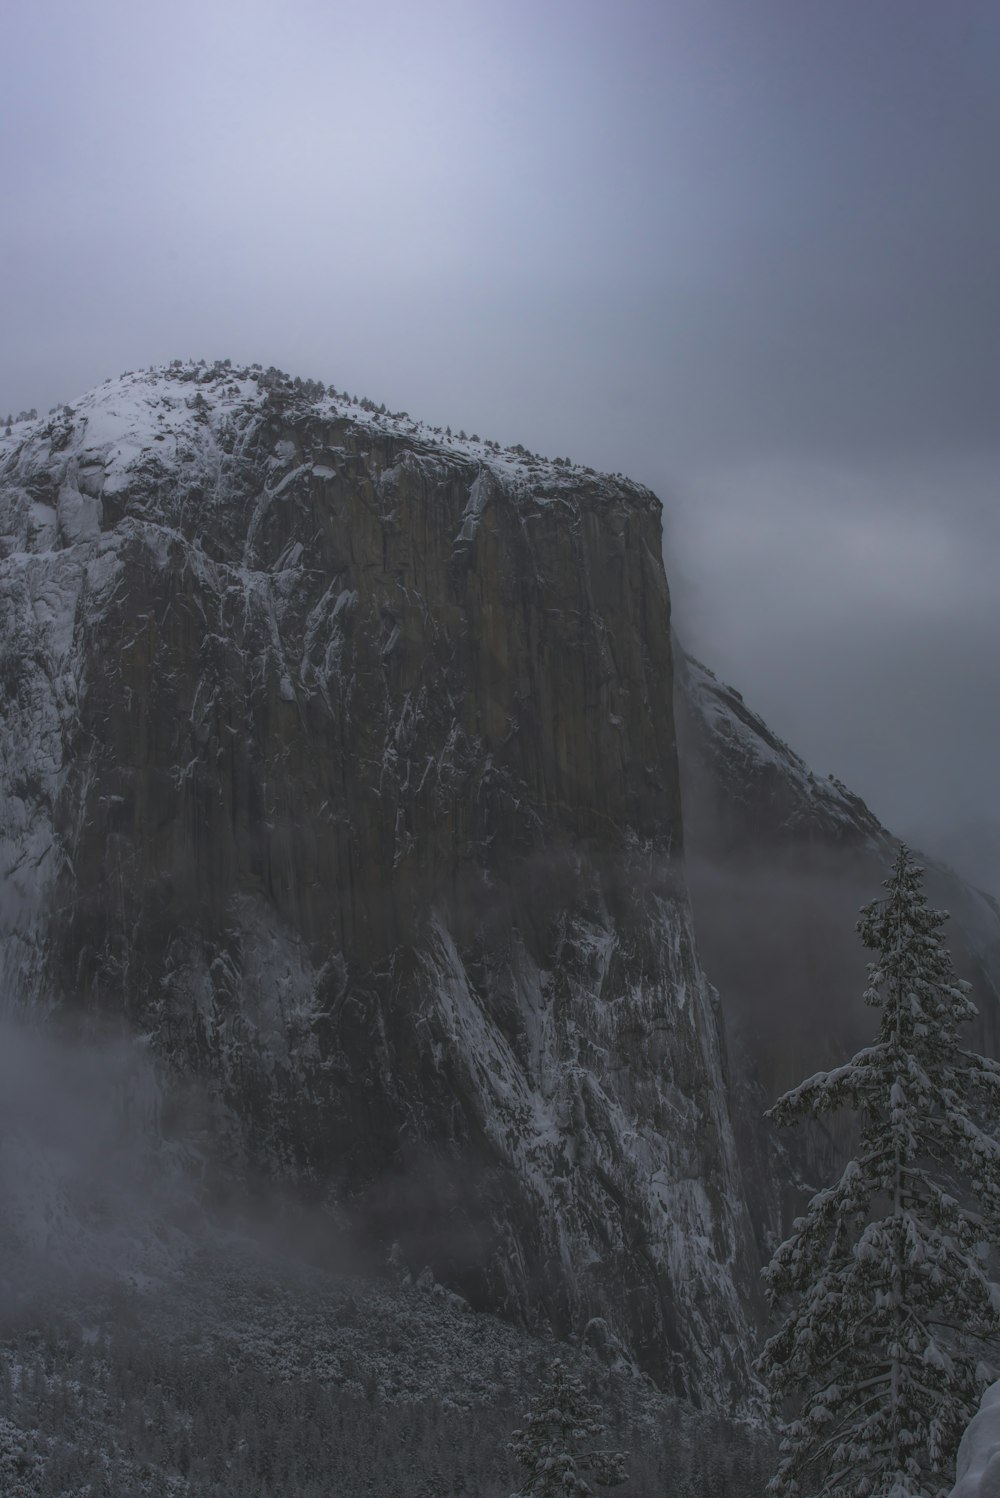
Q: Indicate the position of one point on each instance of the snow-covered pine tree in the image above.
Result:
(885, 1269)
(560, 1419)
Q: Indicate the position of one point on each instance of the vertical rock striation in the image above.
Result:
(340, 759)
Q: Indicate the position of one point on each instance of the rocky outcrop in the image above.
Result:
(340, 761)
(789, 854)
(779, 861)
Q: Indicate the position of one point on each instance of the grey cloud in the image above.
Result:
(859, 610)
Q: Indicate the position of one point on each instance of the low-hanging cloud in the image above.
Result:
(858, 609)
(92, 1190)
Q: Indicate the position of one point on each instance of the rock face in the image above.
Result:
(339, 759)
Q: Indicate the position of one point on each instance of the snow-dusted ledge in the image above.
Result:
(977, 1466)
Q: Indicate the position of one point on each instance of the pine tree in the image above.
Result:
(560, 1418)
(885, 1268)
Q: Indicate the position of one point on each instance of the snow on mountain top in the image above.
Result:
(122, 419)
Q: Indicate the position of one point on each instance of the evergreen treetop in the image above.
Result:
(885, 1269)
(561, 1419)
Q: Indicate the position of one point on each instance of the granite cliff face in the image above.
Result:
(339, 760)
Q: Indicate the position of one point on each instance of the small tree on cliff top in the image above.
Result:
(561, 1418)
(885, 1268)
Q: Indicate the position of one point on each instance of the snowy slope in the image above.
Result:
(779, 864)
(748, 793)
(741, 773)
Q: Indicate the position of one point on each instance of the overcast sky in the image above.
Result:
(745, 250)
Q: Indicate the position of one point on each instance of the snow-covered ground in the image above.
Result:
(977, 1466)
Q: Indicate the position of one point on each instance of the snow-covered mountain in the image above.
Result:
(340, 762)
